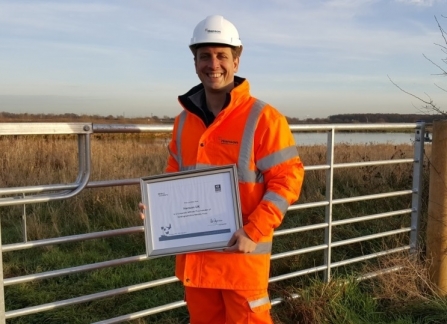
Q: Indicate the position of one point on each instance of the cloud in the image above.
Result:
(427, 3)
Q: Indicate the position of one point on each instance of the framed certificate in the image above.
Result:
(190, 211)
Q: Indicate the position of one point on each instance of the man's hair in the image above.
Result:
(235, 50)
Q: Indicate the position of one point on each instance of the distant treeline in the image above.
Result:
(367, 118)
(333, 119)
(70, 117)
(382, 118)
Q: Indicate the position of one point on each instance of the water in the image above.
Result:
(308, 138)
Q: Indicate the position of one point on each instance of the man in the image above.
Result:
(223, 124)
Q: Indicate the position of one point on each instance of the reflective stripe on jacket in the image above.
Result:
(256, 137)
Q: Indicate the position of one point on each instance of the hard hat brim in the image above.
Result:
(197, 45)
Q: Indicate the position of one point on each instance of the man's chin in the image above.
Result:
(214, 87)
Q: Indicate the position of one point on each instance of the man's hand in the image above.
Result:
(240, 242)
(141, 207)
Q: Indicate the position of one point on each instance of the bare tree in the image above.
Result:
(429, 106)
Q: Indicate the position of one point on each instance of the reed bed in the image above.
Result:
(32, 160)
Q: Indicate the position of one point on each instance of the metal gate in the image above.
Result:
(22, 196)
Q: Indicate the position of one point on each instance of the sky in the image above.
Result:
(307, 58)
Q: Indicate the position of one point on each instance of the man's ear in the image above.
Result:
(236, 64)
(195, 64)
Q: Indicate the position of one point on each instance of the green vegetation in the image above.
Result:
(401, 297)
(388, 299)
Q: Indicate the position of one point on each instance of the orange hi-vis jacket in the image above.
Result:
(257, 138)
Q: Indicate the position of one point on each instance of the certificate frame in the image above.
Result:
(190, 211)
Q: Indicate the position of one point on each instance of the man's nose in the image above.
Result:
(214, 63)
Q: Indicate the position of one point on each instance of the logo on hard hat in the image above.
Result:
(212, 31)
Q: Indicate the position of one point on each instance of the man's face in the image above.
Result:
(216, 67)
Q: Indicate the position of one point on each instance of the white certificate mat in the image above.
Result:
(191, 211)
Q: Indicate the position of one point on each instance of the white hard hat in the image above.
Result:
(215, 29)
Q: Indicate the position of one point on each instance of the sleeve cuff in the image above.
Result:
(253, 233)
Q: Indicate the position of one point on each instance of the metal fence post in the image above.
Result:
(328, 209)
(2, 289)
(24, 227)
(418, 168)
(437, 208)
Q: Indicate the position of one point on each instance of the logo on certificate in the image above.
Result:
(217, 188)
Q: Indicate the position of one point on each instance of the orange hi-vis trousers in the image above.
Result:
(224, 306)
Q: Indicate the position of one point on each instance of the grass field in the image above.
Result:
(401, 297)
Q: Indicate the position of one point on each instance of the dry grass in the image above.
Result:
(400, 297)
(373, 178)
(41, 160)
(32, 160)
(408, 289)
